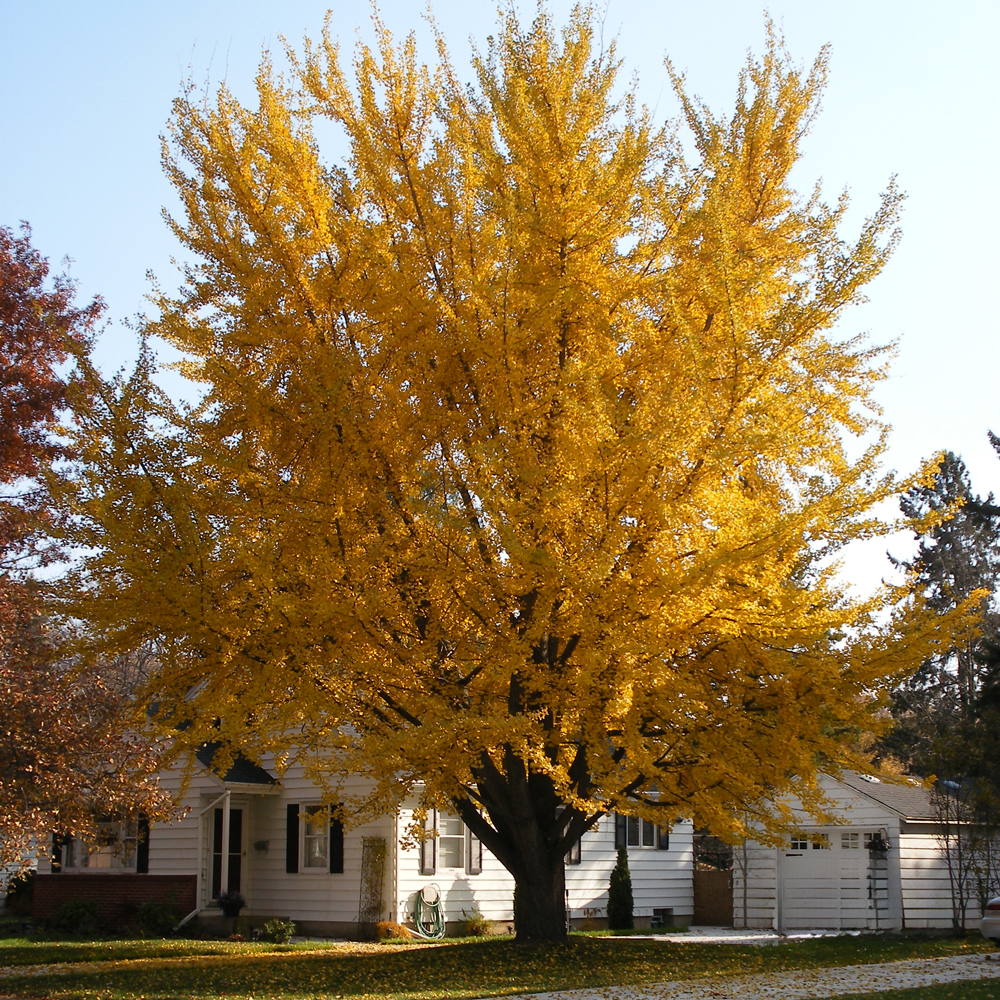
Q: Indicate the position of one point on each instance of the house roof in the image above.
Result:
(910, 801)
(242, 771)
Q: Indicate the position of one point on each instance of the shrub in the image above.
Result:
(76, 916)
(278, 931)
(19, 893)
(620, 894)
(388, 930)
(474, 924)
(156, 919)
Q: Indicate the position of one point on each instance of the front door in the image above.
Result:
(233, 855)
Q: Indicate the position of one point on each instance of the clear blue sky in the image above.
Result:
(85, 90)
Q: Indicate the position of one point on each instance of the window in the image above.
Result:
(849, 842)
(316, 838)
(820, 841)
(451, 841)
(631, 831)
(799, 842)
(448, 843)
(115, 849)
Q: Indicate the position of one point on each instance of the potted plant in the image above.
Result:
(231, 902)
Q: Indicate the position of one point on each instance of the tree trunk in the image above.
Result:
(540, 909)
(529, 830)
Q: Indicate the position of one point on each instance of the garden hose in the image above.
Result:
(428, 921)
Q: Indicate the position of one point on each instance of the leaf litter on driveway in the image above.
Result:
(803, 984)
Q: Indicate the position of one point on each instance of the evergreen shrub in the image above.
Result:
(620, 894)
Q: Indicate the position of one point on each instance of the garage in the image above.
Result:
(877, 863)
(831, 880)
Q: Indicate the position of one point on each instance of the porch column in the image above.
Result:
(224, 884)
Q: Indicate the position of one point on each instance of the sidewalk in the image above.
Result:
(806, 984)
(732, 935)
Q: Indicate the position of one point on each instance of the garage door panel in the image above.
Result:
(826, 888)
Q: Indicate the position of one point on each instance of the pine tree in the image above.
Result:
(958, 558)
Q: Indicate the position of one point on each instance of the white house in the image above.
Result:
(827, 876)
(252, 832)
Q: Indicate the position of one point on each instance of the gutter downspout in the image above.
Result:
(395, 865)
(779, 889)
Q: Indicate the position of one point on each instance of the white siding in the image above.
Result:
(659, 879)
(926, 885)
(315, 896)
(491, 892)
(174, 848)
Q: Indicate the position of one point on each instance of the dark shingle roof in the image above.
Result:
(242, 771)
(908, 801)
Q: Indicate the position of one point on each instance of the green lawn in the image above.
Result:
(158, 970)
(21, 951)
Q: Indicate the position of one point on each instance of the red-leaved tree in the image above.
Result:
(67, 756)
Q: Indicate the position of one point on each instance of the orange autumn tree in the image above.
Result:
(523, 450)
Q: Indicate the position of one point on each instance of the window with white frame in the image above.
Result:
(451, 841)
(316, 838)
(850, 842)
(447, 843)
(633, 831)
(820, 841)
(799, 842)
(115, 849)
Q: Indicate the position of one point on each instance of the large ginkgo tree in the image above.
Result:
(524, 449)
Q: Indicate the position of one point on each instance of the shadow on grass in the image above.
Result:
(481, 968)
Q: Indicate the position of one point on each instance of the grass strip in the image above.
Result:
(457, 971)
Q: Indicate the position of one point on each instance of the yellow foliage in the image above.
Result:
(525, 444)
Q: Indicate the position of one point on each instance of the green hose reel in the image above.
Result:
(428, 920)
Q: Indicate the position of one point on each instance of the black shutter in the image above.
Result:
(663, 838)
(428, 845)
(292, 838)
(336, 847)
(57, 852)
(475, 854)
(621, 831)
(142, 846)
(574, 855)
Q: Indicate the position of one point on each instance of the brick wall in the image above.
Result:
(118, 896)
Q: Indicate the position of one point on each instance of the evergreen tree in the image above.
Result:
(620, 894)
(938, 709)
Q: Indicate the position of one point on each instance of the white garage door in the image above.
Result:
(825, 881)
